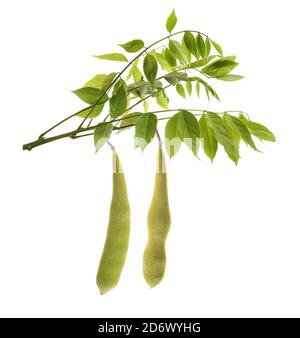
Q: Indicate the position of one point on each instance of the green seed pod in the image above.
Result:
(117, 237)
(159, 222)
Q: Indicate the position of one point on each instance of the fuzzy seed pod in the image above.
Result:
(117, 237)
(159, 221)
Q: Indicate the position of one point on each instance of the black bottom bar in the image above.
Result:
(130, 327)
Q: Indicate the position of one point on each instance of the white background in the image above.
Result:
(233, 249)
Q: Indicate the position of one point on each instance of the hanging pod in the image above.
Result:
(159, 222)
(117, 236)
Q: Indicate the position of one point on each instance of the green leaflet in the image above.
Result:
(96, 82)
(229, 58)
(171, 21)
(150, 68)
(120, 83)
(129, 120)
(201, 62)
(91, 112)
(90, 95)
(180, 90)
(145, 128)
(210, 144)
(182, 126)
(218, 48)
(134, 65)
(102, 135)
(108, 81)
(155, 93)
(162, 61)
(258, 130)
(241, 128)
(146, 106)
(208, 89)
(190, 130)
(220, 67)
(198, 88)
(169, 57)
(223, 135)
(207, 47)
(162, 100)
(200, 45)
(189, 88)
(139, 88)
(172, 139)
(236, 136)
(178, 51)
(187, 52)
(133, 46)
(118, 102)
(190, 43)
(137, 75)
(230, 77)
(113, 57)
(175, 77)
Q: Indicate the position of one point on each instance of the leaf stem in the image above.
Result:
(158, 137)
(112, 147)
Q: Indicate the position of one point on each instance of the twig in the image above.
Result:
(73, 133)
